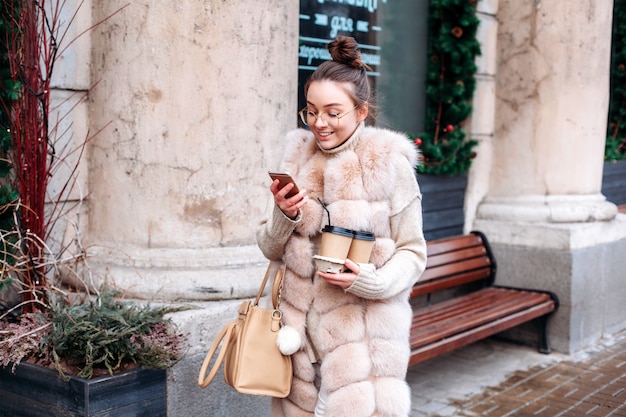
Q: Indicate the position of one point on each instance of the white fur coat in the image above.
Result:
(360, 334)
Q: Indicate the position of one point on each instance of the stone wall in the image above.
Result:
(194, 98)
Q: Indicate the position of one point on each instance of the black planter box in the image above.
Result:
(614, 182)
(35, 391)
(443, 199)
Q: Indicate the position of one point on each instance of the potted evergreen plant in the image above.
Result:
(90, 357)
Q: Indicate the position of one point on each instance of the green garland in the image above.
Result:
(615, 147)
(450, 85)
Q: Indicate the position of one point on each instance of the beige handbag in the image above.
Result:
(253, 364)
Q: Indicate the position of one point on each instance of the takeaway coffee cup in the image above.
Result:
(361, 247)
(336, 242)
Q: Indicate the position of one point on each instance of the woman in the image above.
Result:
(354, 326)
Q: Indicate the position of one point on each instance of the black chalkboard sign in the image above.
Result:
(392, 36)
(323, 20)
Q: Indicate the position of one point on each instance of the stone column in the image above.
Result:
(482, 121)
(193, 99)
(69, 131)
(550, 225)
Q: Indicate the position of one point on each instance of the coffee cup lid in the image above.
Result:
(364, 235)
(338, 231)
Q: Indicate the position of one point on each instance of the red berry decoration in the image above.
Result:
(449, 128)
(418, 141)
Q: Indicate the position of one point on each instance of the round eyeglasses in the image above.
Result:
(309, 117)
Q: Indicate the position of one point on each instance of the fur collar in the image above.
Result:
(350, 180)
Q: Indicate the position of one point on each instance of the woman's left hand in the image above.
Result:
(343, 279)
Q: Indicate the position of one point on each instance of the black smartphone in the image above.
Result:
(285, 178)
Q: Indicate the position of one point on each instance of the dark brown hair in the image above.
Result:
(346, 67)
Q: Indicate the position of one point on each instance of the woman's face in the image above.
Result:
(332, 116)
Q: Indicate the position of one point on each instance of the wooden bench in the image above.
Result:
(464, 269)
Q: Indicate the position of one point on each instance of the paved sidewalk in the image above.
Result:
(498, 379)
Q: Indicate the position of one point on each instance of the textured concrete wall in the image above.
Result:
(195, 98)
(481, 125)
(552, 88)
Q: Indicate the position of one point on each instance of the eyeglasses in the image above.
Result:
(309, 117)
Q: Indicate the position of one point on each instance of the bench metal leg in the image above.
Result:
(544, 345)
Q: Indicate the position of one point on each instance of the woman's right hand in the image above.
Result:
(290, 206)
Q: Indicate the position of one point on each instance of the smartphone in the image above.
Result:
(285, 178)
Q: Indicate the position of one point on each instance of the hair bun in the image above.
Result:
(345, 50)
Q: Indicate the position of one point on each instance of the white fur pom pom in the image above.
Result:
(288, 340)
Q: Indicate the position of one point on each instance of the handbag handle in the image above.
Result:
(267, 275)
(225, 334)
(277, 288)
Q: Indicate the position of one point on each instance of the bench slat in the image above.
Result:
(428, 287)
(454, 268)
(427, 329)
(459, 321)
(455, 256)
(450, 244)
(479, 333)
(486, 299)
(477, 303)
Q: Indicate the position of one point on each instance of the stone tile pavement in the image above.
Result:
(494, 378)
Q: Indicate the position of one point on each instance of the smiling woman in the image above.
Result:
(364, 180)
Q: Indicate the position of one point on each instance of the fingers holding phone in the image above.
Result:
(287, 195)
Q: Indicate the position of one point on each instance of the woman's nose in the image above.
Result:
(319, 121)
